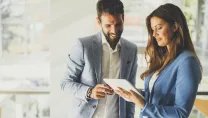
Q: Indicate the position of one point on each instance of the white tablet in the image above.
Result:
(122, 83)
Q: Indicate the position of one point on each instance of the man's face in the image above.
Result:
(112, 26)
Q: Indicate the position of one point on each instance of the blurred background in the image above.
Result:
(24, 59)
(36, 35)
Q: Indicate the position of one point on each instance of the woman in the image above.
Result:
(174, 70)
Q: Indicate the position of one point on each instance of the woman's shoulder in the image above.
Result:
(186, 56)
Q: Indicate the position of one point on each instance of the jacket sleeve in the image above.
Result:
(130, 107)
(75, 64)
(187, 80)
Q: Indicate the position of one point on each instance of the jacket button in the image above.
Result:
(94, 106)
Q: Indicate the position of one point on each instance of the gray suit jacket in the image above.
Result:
(84, 71)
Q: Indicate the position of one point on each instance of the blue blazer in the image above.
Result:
(174, 92)
(84, 70)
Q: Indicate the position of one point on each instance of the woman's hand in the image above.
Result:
(131, 96)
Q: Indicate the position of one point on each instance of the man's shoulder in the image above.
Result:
(129, 43)
(88, 38)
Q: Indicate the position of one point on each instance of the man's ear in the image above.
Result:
(175, 27)
(98, 20)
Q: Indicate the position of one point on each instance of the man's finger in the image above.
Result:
(99, 96)
(104, 90)
(100, 93)
(107, 86)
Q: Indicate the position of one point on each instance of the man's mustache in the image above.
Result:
(116, 33)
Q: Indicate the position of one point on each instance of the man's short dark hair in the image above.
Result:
(112, 7)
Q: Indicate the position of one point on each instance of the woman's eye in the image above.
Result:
(159, 28)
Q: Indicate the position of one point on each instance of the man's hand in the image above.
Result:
(100, 90)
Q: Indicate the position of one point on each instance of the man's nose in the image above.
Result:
(114, 30)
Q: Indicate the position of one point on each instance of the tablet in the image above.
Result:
(122, 83)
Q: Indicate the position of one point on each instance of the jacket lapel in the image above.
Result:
(97, 56)
(124, 60)
(122, 108)
(124, 54)
(147, 93)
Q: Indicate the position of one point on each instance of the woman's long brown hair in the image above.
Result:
(157, 57)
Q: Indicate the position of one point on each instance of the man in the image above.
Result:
(104, 55)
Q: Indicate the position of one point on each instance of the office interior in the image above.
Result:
(36, 35)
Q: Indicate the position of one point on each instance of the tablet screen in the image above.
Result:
(122, 83)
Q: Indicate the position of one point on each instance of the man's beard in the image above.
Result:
(107, 36)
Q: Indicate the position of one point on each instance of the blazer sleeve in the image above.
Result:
(187, 80)
(75, 64)
(130, 107)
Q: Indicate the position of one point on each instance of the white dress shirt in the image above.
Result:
(108, 107)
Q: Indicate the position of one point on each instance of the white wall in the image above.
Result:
(69, 19)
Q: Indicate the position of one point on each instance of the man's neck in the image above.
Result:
(113, 43)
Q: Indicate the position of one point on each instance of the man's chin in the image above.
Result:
(114, 39)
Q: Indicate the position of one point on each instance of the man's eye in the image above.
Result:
(108, 25)
(118, 24)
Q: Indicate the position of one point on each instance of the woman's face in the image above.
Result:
(162, 31)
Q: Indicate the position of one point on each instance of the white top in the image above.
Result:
(152, 81)
(108, 107)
